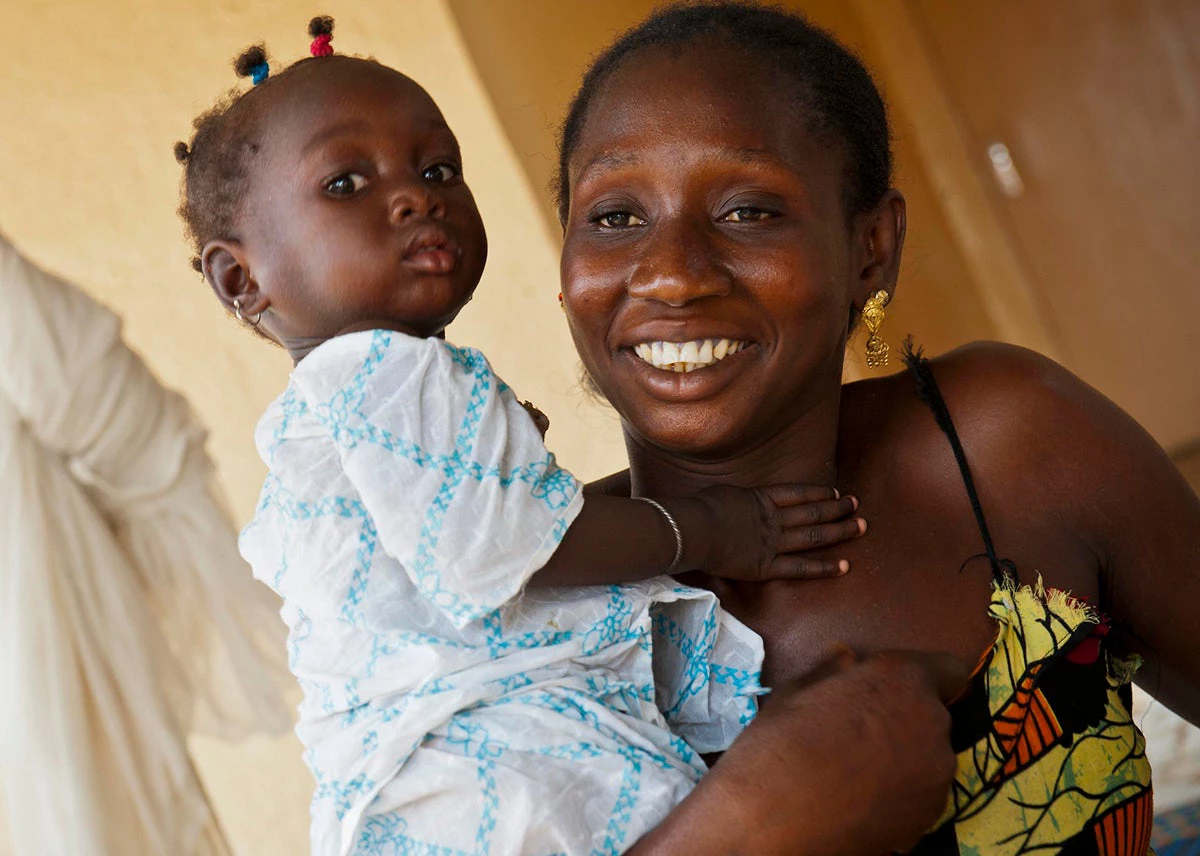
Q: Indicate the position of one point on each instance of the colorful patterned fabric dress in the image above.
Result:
(448, 711)
(1049, 758)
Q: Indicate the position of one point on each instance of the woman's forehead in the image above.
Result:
(678, 136)
(715, 96)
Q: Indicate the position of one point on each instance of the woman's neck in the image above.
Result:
(804, 451)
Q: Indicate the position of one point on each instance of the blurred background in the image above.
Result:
(1046, 150)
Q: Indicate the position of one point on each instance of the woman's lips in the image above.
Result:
(689, 356)
(680, 381)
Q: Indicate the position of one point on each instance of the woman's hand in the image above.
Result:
(758, 534)
(855, 759)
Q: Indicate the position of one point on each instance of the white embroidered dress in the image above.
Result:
(447, 710)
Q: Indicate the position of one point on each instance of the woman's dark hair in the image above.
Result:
(837, 97)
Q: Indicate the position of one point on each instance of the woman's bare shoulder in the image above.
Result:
(1035, 410)
(1021, 417)
(996, 393)
(990, 374)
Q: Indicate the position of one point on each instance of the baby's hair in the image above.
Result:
(252, 63)
(835, 93)
(225, 139)
(321, 30)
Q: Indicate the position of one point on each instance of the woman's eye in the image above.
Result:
(345, 185)
(619, 220)
(441, 172)
(746, 215)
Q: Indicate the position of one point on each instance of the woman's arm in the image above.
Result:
(1112, 486)
(1146, 522)
(854, 762)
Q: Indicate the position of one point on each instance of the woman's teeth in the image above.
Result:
(687, 356)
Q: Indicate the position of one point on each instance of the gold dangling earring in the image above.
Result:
(561, 305)
(873, 317)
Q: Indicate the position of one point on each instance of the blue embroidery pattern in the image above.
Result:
(395, 657)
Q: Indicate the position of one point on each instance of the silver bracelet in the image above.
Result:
(674, 528)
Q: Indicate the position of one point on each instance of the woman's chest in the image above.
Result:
(917, 581)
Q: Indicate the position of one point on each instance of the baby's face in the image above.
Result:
(357, 214)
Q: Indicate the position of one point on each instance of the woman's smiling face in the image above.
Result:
(704, 214)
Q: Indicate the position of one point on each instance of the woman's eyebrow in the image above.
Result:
(750, 155)
(742, 155)
(606, 162)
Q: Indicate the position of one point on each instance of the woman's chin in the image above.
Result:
(700, 414)
(695, 433)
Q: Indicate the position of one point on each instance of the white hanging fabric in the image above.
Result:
(127, 617)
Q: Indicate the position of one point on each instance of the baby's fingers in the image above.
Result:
(784, 495)
(812, 513)
(793, 539)
(793, 567)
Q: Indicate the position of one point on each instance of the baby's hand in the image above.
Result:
(539, 419)
(757, 534)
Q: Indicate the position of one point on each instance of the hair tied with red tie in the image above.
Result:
(321, 30)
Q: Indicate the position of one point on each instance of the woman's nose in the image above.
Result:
(416, 200)
(678, 263)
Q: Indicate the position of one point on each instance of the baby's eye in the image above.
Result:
(747, 214)
(346, 184)
(619, 220)
(441, 172)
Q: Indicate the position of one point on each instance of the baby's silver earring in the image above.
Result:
(237, 311)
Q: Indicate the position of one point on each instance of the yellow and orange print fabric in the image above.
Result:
(1049, 759)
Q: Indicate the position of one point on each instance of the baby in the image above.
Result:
(490, 663)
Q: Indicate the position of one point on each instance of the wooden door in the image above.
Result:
(1085, 114)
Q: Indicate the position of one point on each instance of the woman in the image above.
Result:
(725, 177)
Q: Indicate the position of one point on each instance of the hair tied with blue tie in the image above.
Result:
(253, 64)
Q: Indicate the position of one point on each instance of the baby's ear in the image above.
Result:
(223, 264)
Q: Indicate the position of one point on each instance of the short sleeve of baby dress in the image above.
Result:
(445, 459)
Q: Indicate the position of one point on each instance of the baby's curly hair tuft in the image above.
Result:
(215, 168)
(250, 59)
(322, 25)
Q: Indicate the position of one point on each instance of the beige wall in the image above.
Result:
(94, 94)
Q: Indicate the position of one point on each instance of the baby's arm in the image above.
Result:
(726, 531)
(458, 487)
